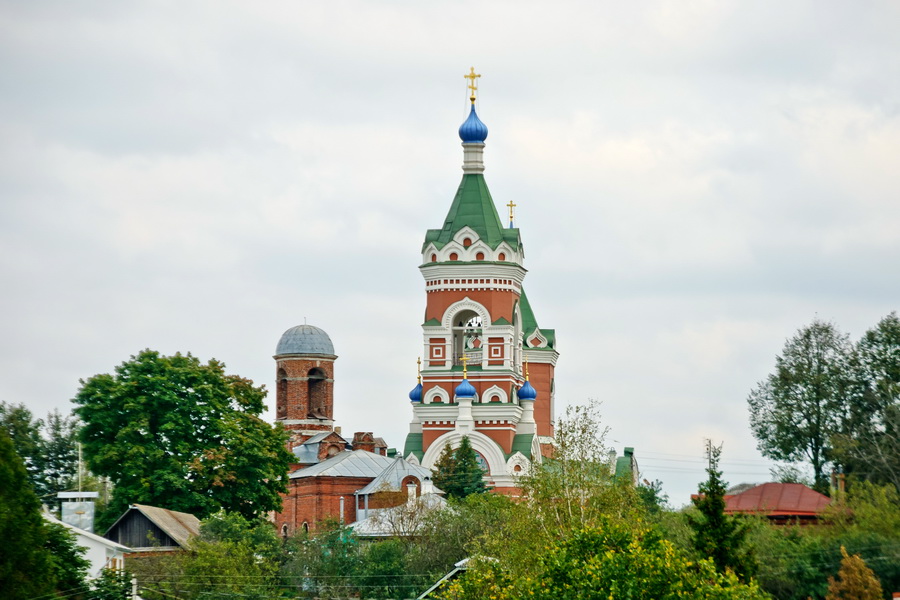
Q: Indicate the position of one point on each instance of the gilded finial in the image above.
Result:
(465, 360)
(526, 369)
(419, 370)
(511, 206)
(472, 76)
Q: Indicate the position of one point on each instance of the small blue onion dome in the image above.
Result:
(473, 130)
(465, 389)
(527, 392)
(416, 394)
(304, 339)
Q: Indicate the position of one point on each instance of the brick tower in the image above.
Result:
(479, 334)
(304, 398)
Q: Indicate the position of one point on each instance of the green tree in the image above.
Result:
(69, 566)
(26, 566)
(59, 455)
(576, 486)
(718, 536)
(172, 432)
(855, 581)
(457, 472)
(231, 558)
(795, 411)
(608, 560)
(25, 432)
(869, 448)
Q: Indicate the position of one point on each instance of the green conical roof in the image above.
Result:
(473, 207)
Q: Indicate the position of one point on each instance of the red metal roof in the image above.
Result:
(778, 499)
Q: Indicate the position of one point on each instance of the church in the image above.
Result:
(486, 372)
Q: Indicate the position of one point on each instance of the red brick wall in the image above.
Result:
(313, 499)
(292, 400)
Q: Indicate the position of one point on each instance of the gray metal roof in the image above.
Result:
(392, 477)
(355, 463)
(304, 339)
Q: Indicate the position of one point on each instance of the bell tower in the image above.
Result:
(304, 397)
(478, 331)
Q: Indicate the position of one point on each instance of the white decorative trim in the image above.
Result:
(436, 392)
(466, 232)
(464, 304)
(504, 397)
(542, 340)
(487, 447)
(411, 459)
(520, 460)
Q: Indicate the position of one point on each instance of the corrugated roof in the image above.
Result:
(778, 499)
(354, 463)
(177, 525)
(392, 477)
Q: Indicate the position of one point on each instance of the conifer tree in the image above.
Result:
(717, 535)
(457, 472)
(855, 581)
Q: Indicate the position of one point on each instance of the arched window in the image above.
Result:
(467, 337)
(318, 394)
(305, 527)
(281, 395)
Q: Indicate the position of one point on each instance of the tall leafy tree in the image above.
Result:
(59, 456)
(457, 471)
(26, 566)
(173, 432)
(870, 446)
(796, 410)
(718, 536)
(25, 433)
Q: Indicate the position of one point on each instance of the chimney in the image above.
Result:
(411, 492)
(427, 486)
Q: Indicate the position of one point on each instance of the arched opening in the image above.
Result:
(305, 527)
(454, 256)
(479, 256)
(317, 388)
(284, 531)
(281, 399)
(468, 339)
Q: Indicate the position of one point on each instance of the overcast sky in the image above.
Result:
(695, 181)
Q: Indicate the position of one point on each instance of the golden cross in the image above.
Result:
(511, 206)
(465, 360)
(419, 369)
(472, 76)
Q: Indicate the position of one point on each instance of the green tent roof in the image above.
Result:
(473, 207)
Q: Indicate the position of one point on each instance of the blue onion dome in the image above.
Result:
(527, 392)
(473, 130)
(465, 389)
(416, 394)
(304, 339)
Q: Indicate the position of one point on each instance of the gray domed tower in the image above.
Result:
(304, 399)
